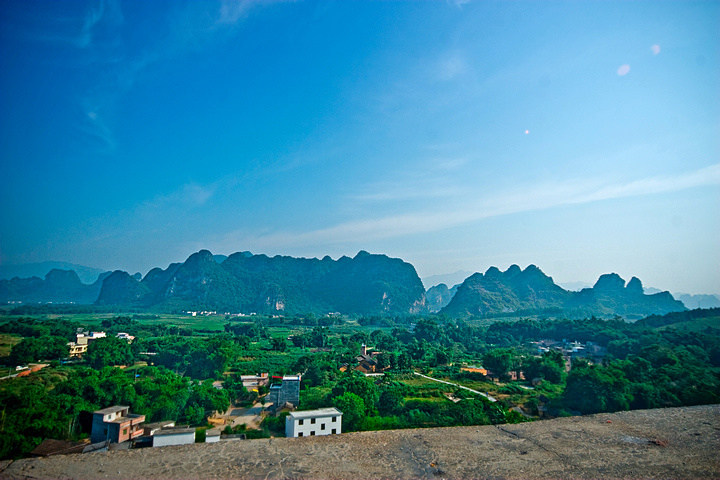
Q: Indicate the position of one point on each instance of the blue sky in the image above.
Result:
(582, 137)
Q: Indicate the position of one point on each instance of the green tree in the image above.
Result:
(360, 386)
(319, 337)
(594, 389)
(314, 376)
(278, 344)
(353, 409)
(427, 329)
(552, 366)
(235, 389)
(46, 347)
(499, 361)
(531, 367)
(404, 362)
(108, 351)
(391, 402)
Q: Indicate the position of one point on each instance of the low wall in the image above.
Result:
(663, 443)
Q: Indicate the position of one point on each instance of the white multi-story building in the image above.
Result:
(324, 421)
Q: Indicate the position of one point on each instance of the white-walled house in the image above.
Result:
(324, 421)
(173, 436)
(212, 435)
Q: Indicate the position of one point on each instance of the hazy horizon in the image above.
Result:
(581, 137)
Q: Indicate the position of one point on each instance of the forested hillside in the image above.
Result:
(530, 291)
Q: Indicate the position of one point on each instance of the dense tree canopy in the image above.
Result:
(108, 351)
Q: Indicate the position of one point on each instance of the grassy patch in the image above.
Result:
(440, 399)
(7, 341)
(93, 321)
(417, 381)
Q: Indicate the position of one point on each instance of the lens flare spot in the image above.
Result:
(527, 131)
(655, 49)
(623, 70)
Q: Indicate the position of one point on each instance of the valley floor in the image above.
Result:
(662, 443)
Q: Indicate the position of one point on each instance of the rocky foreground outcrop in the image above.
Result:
(663, 443)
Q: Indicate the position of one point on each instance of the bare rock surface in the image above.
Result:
(660, 444)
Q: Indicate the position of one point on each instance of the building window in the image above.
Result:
(301, 421)
(322, 426)
(124, 431)
(334, 431)
(300, 434)
(312, 421)
(312, 433)
(334, 419)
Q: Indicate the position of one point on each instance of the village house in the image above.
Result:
(116, 425)
(285, 390)
(149, 429)
(212, 435)
(254, 382)
(324, 421)
(125, 336)
(513, 375)
(366, 363)
(79, 347)
(173, 436)
(474, 369)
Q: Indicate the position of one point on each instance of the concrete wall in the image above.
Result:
(102, 431)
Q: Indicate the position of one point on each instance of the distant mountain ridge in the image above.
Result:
(59, 286)
(88, 275)
(530, 290)
(698, 301)
(365, 284)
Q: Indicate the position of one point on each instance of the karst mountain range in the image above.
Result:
(367, 284)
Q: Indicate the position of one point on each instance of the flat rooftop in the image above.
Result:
(321, 412)
(174, 431)
(127, 418)
(113, 409)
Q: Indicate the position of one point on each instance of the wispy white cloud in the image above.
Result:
(458, 3)
(106, 11)
(434, 178)
(541, 197)
(115, 68)
(451, 66)
(703, 177)
(189, 195)
(231, 11)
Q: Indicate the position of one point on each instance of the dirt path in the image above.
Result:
(238, 415)
(456, 385)
(249, 416)
(666, 443)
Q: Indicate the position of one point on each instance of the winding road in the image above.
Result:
(456, 385)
